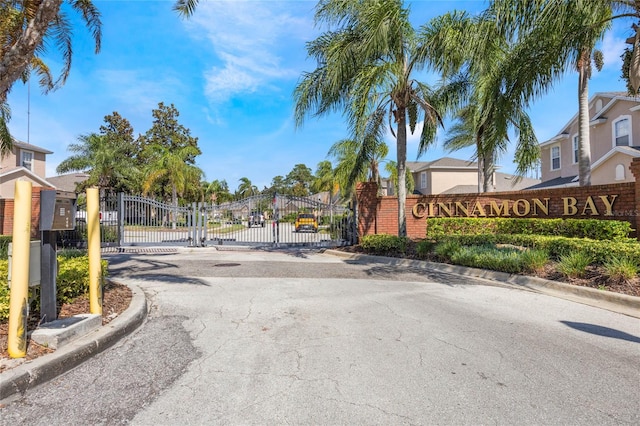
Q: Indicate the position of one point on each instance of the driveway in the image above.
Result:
(300, 337)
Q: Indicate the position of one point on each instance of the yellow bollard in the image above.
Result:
(95, 267)
(19, 295)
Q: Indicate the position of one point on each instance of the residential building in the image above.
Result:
(454, 176)
(614, 141)
(24, 162)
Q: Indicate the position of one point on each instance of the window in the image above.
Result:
(576, 147)
(619, 172)
(555, 157)
(26, 160)
(423, 180)
(622, 131)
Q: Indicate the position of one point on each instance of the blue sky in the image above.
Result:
(230, 70)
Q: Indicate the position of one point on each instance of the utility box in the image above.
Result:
(57, 210)
(34, 263)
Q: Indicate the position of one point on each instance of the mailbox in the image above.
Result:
(57, 210)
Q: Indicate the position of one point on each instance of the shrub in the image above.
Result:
(574, 265)
(424, 248)
(496, 259)
(621, 268)
(4, 245)
(384, 244)
(447, 249)
(534, 260)
(72, 281)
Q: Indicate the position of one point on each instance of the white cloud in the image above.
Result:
(612, 47)
(252, 41)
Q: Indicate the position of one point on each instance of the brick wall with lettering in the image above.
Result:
(611, 202)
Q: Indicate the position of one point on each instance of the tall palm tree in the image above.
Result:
(27, 28)
(325, 179)
(496, 99)
(572, 28)
(366, 66)
(106, 164)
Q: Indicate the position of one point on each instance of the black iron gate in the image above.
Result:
(261, 220)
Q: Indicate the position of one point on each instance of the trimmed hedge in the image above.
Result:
(570, 228)
(383, 244)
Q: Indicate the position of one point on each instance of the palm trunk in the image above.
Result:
(584, 146)
(402, 171)
(488, 172)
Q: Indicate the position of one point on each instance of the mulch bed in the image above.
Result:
(115, 300)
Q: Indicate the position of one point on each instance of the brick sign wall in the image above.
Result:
(379, 215)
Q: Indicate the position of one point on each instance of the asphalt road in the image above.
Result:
(299, 337)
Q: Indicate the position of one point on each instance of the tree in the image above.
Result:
(572, 29)
(325, 179)
(494, 104)
(168, 133)
(108, 168)
(365, 66)
(246, 188)
(170, 165)
(218, 190)
(27, 28)
(392, 168)
(278, 185)
(299, 180)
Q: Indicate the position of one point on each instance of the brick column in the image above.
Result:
(635, 169)
(367, 198)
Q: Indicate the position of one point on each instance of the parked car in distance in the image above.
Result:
(255, 218)
(306, 222)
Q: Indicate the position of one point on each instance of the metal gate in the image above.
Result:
(261, 220)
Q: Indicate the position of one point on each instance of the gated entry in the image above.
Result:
(262, 220)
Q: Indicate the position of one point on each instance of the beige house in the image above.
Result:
(454, 176)
(24, 162)
(614, 140)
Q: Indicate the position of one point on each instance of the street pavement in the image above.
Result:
(301, 337)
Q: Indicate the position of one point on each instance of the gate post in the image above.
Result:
(120, 209)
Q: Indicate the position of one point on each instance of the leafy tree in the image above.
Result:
(166, 132)
(366, 62)
(27, 28)
(218, 191)
(278, 185)
(299, 180)
(108, 168)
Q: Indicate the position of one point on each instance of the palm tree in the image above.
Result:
(325, 179)
(246, 188)
(357, 162)
(572, 29)
(170, 165)
(392, 168)
(496, 99)
(365, 68)
(26, 27)
(107, 165)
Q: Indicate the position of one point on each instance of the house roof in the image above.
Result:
(16, 172)
(441, 163)
(598, 117)
(632, 151)
(68, 182)
(28, 146)
(557, 183)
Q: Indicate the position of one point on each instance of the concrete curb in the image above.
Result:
(15, 382)
(616, 302)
